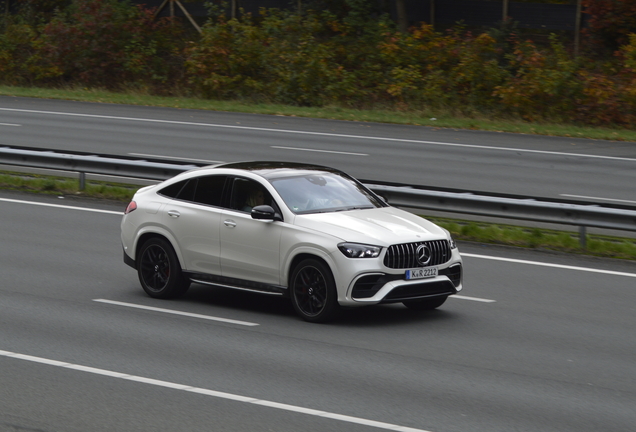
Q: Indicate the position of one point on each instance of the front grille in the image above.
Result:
(403, 256)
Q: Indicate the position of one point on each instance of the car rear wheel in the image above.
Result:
(159, 270)
(313, 291)
(425, 304)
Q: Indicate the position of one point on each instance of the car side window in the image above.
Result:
(209, 190)
(247, 194)
(175, 190)
(206, 190)
(187, 192)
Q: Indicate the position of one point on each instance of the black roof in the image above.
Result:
(270, 169)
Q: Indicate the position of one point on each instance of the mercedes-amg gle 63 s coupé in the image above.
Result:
(310, 233)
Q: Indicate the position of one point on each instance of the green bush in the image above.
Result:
(544, 83)
(109, 43)
(101, 43)
(20, 56)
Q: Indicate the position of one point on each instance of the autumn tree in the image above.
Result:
(610, 22)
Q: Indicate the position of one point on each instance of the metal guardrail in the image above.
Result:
(521, 208)
(84, 163)
(528, 209)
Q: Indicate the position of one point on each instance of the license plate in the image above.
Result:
(421, 273)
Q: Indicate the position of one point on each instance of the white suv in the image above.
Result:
(310, 233)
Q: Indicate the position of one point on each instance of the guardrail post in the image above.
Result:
(583, 237)
(82, 180)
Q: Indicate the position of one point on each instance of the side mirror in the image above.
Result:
(265, 212)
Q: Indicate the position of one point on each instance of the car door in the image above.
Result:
(250, 248)
(193, 217)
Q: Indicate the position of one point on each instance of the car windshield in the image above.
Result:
(322, 193)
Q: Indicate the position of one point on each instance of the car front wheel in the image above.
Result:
(313, 291)
(159, 270)
(425, 304)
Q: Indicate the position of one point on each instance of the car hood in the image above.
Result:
(381, 226)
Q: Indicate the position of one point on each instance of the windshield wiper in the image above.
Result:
(355, 208)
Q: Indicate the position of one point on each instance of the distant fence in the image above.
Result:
(487, 13)
(400, 195)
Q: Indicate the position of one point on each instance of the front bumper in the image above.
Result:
(384, 288)
(364, 282)
(129, 261)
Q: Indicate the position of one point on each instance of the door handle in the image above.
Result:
(229, 223)
(174, 213)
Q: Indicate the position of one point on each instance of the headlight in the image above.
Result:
(451, 242)
(356, 250)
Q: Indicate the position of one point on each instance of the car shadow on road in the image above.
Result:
(390, 315)
(240, 300)
(368, 316)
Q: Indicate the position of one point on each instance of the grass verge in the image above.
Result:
(535, 238)
(432, 118)
(65, 186)
(603, 246)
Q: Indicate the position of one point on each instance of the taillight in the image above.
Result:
(131, 207)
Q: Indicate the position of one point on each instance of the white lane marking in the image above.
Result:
(62, 206)
(324, 134)
(9, 124)
(477, 299)
(560, 266)
(175, 158)
(598, 198)
(213, 393)
(174, 312)
(319, 151)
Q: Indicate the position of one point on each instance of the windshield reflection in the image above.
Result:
(323, 193)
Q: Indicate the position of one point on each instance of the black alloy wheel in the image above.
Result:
(159, 270)
(425, 304)
(313, 291)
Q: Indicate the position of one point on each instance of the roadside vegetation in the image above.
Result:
(64, 186)
(562, 241)
(343, 60)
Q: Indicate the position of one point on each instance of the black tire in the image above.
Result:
(313, 291)
(159, 270)
(425, 304)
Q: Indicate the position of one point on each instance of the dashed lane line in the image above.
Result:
(212, 393)
(175, 312)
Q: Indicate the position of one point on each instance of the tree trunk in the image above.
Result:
(402, 20)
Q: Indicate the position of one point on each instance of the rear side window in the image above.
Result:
(206, 190)
(209, 190)
(173, 190)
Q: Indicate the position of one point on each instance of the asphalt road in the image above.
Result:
(552, 167)
(542, 342)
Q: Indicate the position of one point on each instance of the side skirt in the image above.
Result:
(238, 284)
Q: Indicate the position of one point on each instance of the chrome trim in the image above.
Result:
(407, 255)
(234, 287)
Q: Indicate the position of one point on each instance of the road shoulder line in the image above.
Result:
(559, 266)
